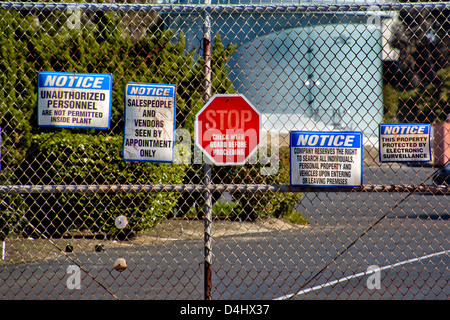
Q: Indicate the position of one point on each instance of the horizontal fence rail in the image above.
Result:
(244, 188)
(235, 8)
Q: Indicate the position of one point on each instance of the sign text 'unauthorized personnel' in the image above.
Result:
(74, 100)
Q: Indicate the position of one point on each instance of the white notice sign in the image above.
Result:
(74, 100)
(149, 122)
(405, 143)
(326, 158)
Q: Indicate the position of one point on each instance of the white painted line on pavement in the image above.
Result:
(360, 274)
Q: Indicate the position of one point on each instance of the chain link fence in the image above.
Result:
(81, 219)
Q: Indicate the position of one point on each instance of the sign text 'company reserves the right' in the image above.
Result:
(326, 158)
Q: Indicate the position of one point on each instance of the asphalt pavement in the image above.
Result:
(331, 258)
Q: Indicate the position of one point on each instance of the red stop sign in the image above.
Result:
(227, 129)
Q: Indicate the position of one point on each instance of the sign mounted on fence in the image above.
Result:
(326, 158)
(149, 132)
(227, 129)
(74, 100)
(404, 143)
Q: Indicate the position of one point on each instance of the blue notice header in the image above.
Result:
(151, 90)
(344, 139)
(407, 128)
(92, 81)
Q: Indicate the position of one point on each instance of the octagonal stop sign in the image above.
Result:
(227, 129)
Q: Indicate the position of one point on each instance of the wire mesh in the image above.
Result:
(79, 222)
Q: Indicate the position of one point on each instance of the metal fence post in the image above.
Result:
(207, 209)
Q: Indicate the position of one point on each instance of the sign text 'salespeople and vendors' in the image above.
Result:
(326, 158)
(405, 143)
(149, 133)
(74, 100)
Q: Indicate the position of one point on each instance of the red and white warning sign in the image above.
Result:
(227, 129)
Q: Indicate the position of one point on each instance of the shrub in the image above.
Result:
(77, 159)
(423, 104)
(33, 155)
(246, 206)
(267, 204)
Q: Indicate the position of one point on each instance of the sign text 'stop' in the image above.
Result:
(227, 129)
